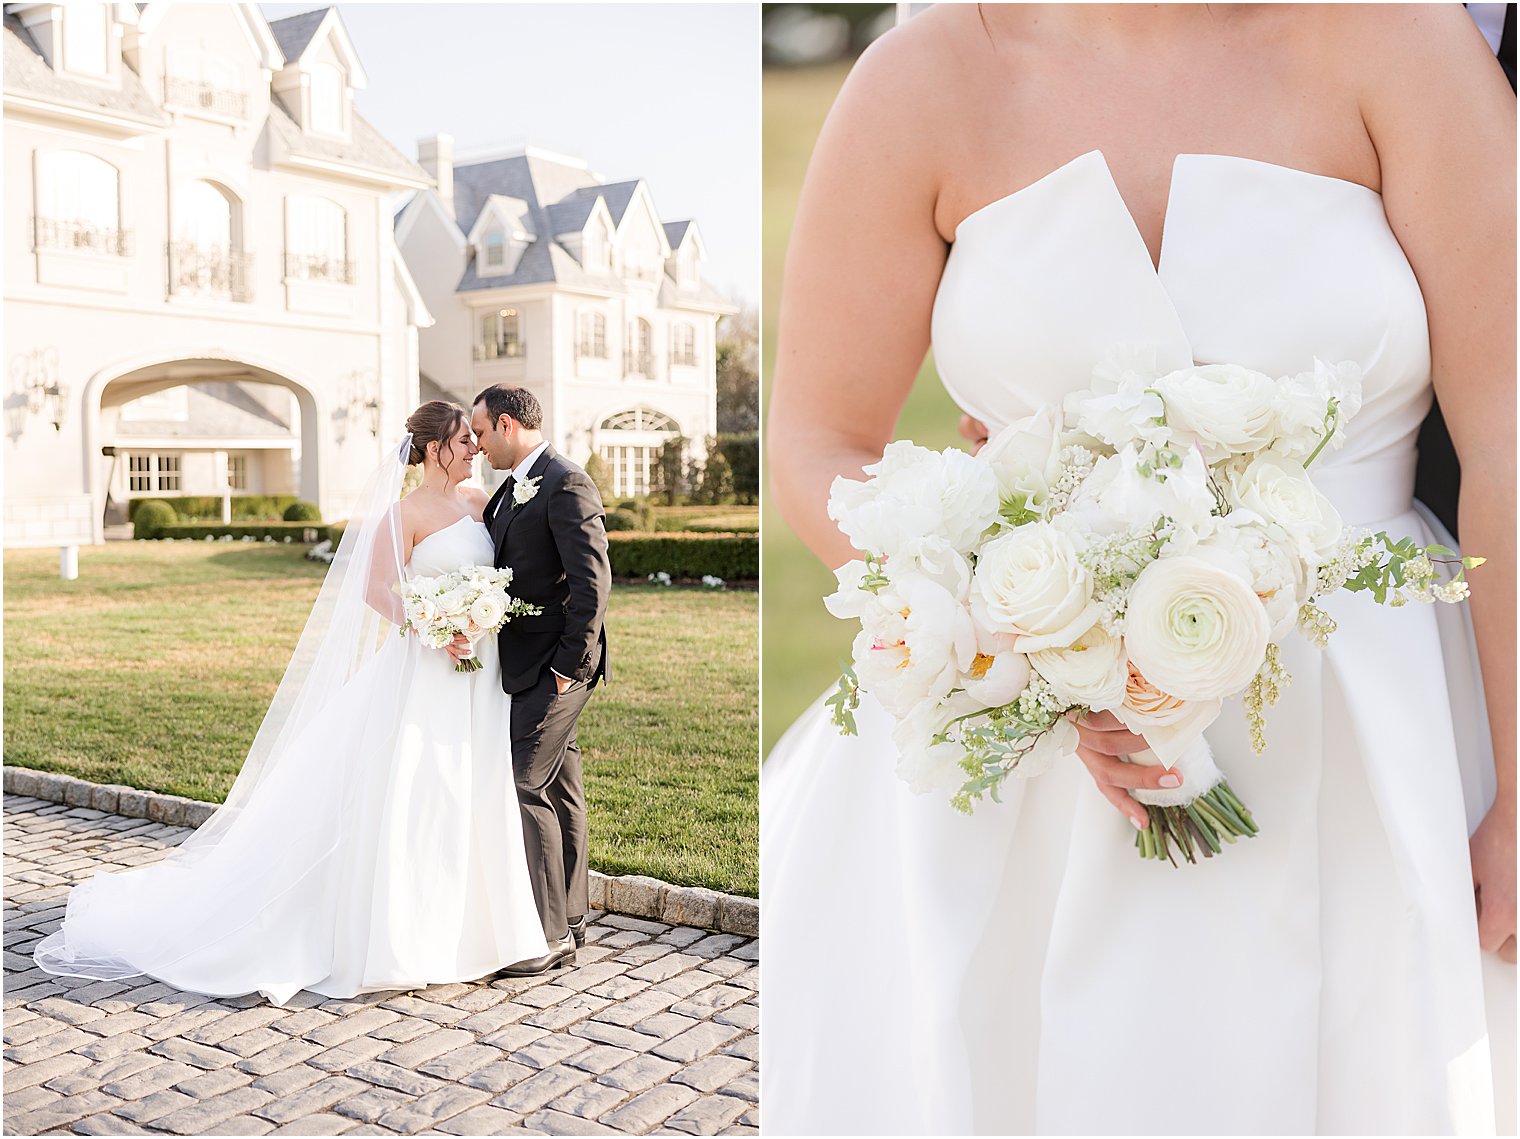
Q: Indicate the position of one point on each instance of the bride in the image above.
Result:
(372, 839)
(1033, 187)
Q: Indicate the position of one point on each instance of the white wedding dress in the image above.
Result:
(384, 849)
(1024, 971)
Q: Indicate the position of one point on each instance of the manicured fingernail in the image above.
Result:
(1140, 824)
(1169, 780)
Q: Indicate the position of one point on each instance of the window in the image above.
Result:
(327, 99)
(495, 251)
(631, 468)
(500, 335)
(152, 473)
(78, 204)
(591, 336)
(237, 472)
(206, 254)
(638, 360)
(630, 442)
(201, 82)
(316, 240)
(641, 419)
(85, 38)
(683, 345)
(203, 216)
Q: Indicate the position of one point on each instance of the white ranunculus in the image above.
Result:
(914, 494)
(1170, 725)
(1226, 408)
(1193, 630)
(1026, 457)
(489, 610)
(1119, 496)
(1267, 558)
(1119, 411)
(1090, 671)
(1029, 582)
(1302, 403)
(1278, 489)
(914, 645)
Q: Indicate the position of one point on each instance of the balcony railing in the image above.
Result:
(315, 267)
(590, 349)
(499, 350)
(55, 233)
(195, 94)
(210, 271)
(638, 363)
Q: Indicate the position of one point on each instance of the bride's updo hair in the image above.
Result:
(434, 422)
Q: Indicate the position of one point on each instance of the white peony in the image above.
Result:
(1303, 401)
(1029, 582)
(1278, 489)
(916, 493)
(914, 645)
(1026, 457)
(1227, 409)
(1090, 671)
(1267, 558)
(926, 766)
(1121, 497)
(1193, 630)
(489, 610)
(998, 672)
(421, 611)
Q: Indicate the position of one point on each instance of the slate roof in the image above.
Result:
(675, 232)
(293, 33)
(366, 148)
(27, 73)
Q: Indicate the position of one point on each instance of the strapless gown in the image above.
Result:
(1024, 971)
(386, 853)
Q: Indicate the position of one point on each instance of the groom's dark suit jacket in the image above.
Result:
(556, 546)
(1438, 477)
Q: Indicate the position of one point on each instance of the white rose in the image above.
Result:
(1026, 457)
(1119, 496)
(1029, 582)
(453, 601)
(1279, 490)
(1303, 402)
(1267, 558)
(915, 493)
(1170, 725)
(1193, 630)
(1226, 408)
(489, 610)
(913, 646)
(1090, 671)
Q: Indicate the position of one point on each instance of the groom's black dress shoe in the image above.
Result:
(561, 952)
(578, 931)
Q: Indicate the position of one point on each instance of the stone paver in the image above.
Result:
(653, 1030)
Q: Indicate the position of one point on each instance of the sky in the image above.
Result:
(665, 92)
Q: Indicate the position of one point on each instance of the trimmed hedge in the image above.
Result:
(152, 518)
(620, 519)
(712, 522)
(302, 512)
(279, 531)
(208, 508)
(733, 557)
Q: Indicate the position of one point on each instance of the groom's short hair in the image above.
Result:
(521, 404)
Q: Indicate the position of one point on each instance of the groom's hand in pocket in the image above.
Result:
(562, 684)
(1104, 739)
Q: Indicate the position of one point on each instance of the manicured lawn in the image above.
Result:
(155, 667)
(804, 646)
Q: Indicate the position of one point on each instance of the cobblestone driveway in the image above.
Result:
(653, 1030)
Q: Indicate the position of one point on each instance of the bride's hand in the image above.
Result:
(1493, 871)
(459, 648)
(974, 431)
(1104, 739)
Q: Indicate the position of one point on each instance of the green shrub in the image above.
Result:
(743, 455)
(278, 531)
(600, 476)
(618, 519)
(302, 512)
(733, 557)
(208, 508)
(151, 517)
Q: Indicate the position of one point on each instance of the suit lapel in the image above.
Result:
(540, 465)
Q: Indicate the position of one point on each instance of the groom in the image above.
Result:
(546, 521)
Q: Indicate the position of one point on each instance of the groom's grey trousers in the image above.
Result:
(546, 763)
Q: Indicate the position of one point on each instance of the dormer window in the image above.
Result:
(327, 99)
(86, 39)
(494, 252)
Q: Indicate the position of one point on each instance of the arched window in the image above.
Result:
(500, 335)
(206, 255)
(638, 359)
(629, 442)
(326, 99)
(316, 240)
(78, 203)
(683, 345)
(203, 216)
(591, 335)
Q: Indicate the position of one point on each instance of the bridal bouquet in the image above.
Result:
(1143, 550)
(472, 601)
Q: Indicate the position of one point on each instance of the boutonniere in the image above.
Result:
(524, 491)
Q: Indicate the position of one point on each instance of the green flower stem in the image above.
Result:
(1200, 827)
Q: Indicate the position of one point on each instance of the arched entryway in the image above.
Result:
(199, 425)
(629, 443)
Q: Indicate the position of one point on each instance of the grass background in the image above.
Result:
(804, 646)
(155, 667)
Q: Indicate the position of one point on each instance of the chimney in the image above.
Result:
(436, 156)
